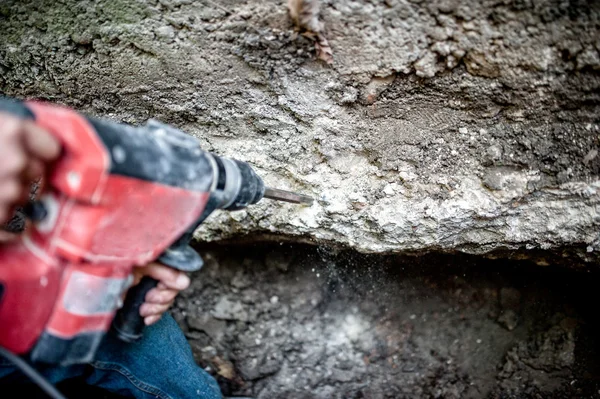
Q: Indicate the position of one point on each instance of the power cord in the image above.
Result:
(30, 372)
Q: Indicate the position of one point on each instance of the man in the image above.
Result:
(161, 364)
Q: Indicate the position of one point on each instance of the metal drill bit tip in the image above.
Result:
(288, 196)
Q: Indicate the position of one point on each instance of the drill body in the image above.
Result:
(119, 197)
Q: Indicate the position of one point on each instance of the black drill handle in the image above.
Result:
(128, 325)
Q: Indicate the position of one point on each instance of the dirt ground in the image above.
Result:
(300, 322)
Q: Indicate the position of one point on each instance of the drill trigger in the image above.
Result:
(182, 257)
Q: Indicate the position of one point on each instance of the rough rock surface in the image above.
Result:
(441, 125)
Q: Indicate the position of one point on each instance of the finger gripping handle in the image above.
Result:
(128, 325)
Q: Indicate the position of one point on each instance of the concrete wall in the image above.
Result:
(440, 125)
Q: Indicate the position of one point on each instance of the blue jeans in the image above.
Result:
(160, 365)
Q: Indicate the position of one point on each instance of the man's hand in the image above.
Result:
(25, 149)
(159, 299)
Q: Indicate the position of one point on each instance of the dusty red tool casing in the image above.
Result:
(114, 201)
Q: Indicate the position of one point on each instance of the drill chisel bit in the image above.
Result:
(288, 196)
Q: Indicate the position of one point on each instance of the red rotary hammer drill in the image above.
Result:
(118, 197)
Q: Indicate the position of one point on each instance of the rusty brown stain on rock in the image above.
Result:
(477, 64)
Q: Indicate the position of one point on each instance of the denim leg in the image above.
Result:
(160, 365)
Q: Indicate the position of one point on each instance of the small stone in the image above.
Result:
(388, 190)
(248, 340)
(427, 66)
(375, 87)
(588, 58)
(226, 309)
(494, 179)
(342, 375)
(82, 38)
(407, 176)
(249, 369)
(251, 296)
(274, 299)
(479, 65)
(270, 365)
(494, 152)
(238, 216)
(469, 25)
(208, 13)
(349, 96)
(593, 153)
(212, 327)
(409, 367)
(441, 48)
(451, 62)
(508, 319)
(241, 279)
(278, 260)
(165, 32)
(447, 6)
(437, 33)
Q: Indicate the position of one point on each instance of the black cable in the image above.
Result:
(32, 374)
